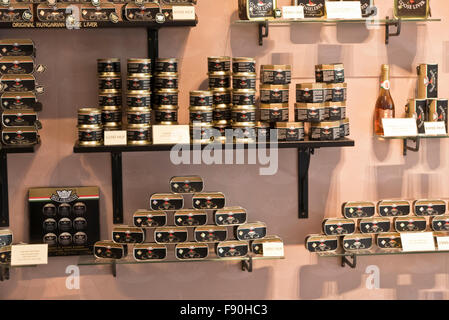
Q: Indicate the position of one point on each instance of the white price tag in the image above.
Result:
(115, 138)
(183, 13)
(293, 12)
(29, 254)
(273, 249)
(417, 241)
(443, 243)
(400, 127)
(178, 134)
(343, 10)
(435, 128)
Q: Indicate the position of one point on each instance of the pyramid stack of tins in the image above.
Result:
(19, 122)
(138, 101)
(166, 91)
(323, 104)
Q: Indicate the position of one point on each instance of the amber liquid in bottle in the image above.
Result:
(384, 104)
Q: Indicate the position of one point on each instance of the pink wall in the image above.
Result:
(372, 170)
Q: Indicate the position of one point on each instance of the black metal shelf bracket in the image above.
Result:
(345, 261)
(4, 272)
(303, 181)
(264, 28)
(114, 269)
(247, 265)
(4, 205)
(117, 187)
(407, 147)
(388, 24)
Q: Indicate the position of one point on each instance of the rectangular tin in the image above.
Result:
(6, 237)
(256, 9)
(410, 224)
(389, 240)
(324, 131)
(110, 250)
(210, 234)
(322, 243)
(166, 201)
(127, 235)
(257, 245)
(191, 251)
(17, 13)
(358, 209)
(17, 47)
(357, 241)
(147, 12)
(315, 9)
(16, 65)
(149, 219)
(18, 118)
(374, 225)
(427, 81)
(106, 12)
(429, 207)
(310, 92)
(310, 112)
(230, 216)
(18, 83)
(333, 227)
(229, 249)
(190, 217)
(406, 9)
(170, 235)
(440, 223)
(18, 101)
(5, 255)
(393, 208)
(437, 110)
(335, 110)
(251, 231)
(149, 251)
(208, 200)
(417, 108)
(20, 136)
(290, 131)
(186, 184)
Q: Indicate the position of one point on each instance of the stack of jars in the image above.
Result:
(201, 116)
(138, 101)
(90, 127)
(166, 91)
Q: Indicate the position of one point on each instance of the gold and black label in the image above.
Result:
(230, 217)
(321, 243)
(427, 81)
(138, 84)
(163, 115)
(186, 184)
(390, 240)
(410, 224)
(325, 133)
(166, 65)
(111, 116)
(149, 252)
(374, 225)
(219, 65)
(276, 76)
(90, 135)
(242, 82)
(411, 8)
(251, 231)
(131, 235)
(110, 99)
(210, 234)
(256, 9)
(429, 207)
(358, 210)
(242, 98)
(336, 112)
(222, 114)
(243, 115)
(229, 249)
(20, 136)
(357, 242)
(19, 83)
(5, 254)
(139, 100)
(394, 209)
(201, 115)
(208, 200)
(16, 65)
(188, 217)
(243, 66)
(165, 83)
(18, 119)
(191, 251)
(333, 227)
(222, 81)
(274, 114)
(161, 201)
(166, 98)
(290, 134)
(149, 219)
(147, 12)
(312, 95)
(108, 66)
(139, 117)
(170, 235)
(312, 8)
(269, 96)
(107, 83)
(17, 47)
(109, 250)
(440, 223)
(98, 13)
(18, 13)
(138, 134)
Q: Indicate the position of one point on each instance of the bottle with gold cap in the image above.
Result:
(384, 104)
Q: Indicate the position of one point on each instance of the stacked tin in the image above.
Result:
(110, 94)
(166, 91)
(19, 120)
(201, 115)
(323, 104)
(138, 101)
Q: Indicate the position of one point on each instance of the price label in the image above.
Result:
(178, 134)
(343, 10)
(400, 127)
(435, 128)
(29, 254)
(443, 243)
(293, 12)
(417, 241)
(115, 138)
(183, 13)
(273, 249)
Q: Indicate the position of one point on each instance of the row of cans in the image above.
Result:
(6, 239)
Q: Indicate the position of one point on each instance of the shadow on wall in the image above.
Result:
(304, 33)
(402, 50)
(352, 33)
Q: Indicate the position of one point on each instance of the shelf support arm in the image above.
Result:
(303, 181)
(263, 31)
(247, 265)
(407, 147)
(117, 187)
(345, 261)
(114, 268)
(388, 24)
(4, 205)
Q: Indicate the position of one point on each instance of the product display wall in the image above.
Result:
(372, 170)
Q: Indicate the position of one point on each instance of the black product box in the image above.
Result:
(67, 218)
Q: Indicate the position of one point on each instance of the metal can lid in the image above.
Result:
(261, 124)
(111, 108)
(141, 126)
(89, 127)
(138, 109)
(244, 75)
(247, 108)
(107, 76)
(289, 124)
(244, 91)
(303, 105)
(308, 86)
(111, 126)
(166, 91)
(222, 123)
(108, 60)
(330, 104)
(201, 93)
(109, 92)
(274, 87)
(163, 60)
(222, 106)
(219, 58)
(167, 123)
(138, 93)
(336, 85)
(139, 60)
(168, 75)
(201, 124)
(219, 74)
(280, 67)
(274, 106)
(201, 108)
(165, 107)
(221, 90)
(243, 59)
(89, 110)
(326, 124)
(132, 76)
(243, 124)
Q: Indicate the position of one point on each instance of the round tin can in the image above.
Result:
(109, 82)
(311, 112)
(166, 65)
(64, 210)
(89, 116)
(221, 96)
(50, 239)
(138, 99)
(80, 238)
(111, 116)
(79, 209)
(201, 114)
(90, 135)
(244, 97)
(166, 114)
(243, 64)
(336, 92)
(79, 224)
(330, 73)
(274, 112)
(49, 210)
(201, 132)
(138, 82)
(168, 97)
(243, 113)
(274, 93)
(109, 98)
(329, 130)
(65, 239)
(166, 80)
(219, 80)
(217, 64)
(263, 131)
(221, 126)
(310, 92)
(244, 81)
(290, 131)
(200, 98)
(65, 224)
(108, 66)
(138, 116)
(138, 134)
(275, 74)
(50, 225)
(112, 127)
(244, 132)
(137, 65)
(222, 112)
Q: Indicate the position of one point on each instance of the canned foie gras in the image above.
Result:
(170, 235)
(148, 219)
(427, 81)
(429, 207)
(138, 99)
(243, 64)
(358, 209)
(270, 93)
(125, 235)
(104, 13)
(6, 237)
(18, 118)
(325, 131)
(49, 210)
(108, 66)
(201, 132)
(221, 96)
(89, 116)
(138, 134)
(244, 97)
(191, 251)
(138, 82)
(166, 65)
(222, 112)
(90, 135)
(274, 112)
(251, 231)
(201, 98)
(5, 254)
(219, 80)
(335, 110)
(440, 223)
(216, 64)
(275, 74)
(79, 224)
(229, 249)
(137, 65)
(17, 47)
(290, 131)
(149, 251)
(336, 92)
(190, 217)
(333, 227)
(374, 225)
(393, 208)
(109, 98)
(321, 243)
(208, 200)
(210, 234)
(389, 240)
(110, 250)
(16, 13)
(80, 238)
(311, 112)
(20, 83)
(310, 92)
(344, 128)
(166, 97)
(166, 114)
(166, 80)
(221, 126)
(437, 110)
(410, 224)
(109, 82)
(243, 113)
(166, 201)
(19, 65)
(257, 245)
(244, 132)
(244, 81)
(263, 131)
(230, 216)
(64, 210)
(19, 101)
(186, 184)
(65, 239)
(201, 114)
(416, 108)
(330, 73)
(357, 241)
(51, 239)
(20, 136)
(138, 115)
(315, 9)
(50, 225)
(79, 209)
(111, 117)
(65, 224)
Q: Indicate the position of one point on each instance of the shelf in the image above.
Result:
(415, 139)
(304, 148)
(264, 25)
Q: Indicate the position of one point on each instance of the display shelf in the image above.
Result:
(416, 139)
(304, 148)
(264, 25)
(5, 270)
(4, 204)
